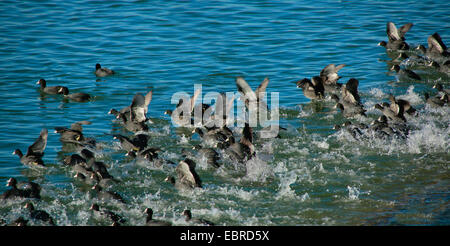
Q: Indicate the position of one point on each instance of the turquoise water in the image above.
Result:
(312, 175)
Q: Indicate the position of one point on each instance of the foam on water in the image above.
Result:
(353, 193)
(284, 189)
(257, 171)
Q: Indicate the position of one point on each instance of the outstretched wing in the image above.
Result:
(392, 32)
(404, 29)
(138, 108)
(193, 99)
(435, 43)
(350, 91)
(186, 174)
(261, 90)
(245, 89)
(148, 99)
(38, 147)
(329, 73)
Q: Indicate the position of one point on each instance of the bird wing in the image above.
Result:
(392, 32)
(185, 175)
(261, 90)
(148, 99)
(193, 99)
(245, 89)
(435, 43)
(404, 29)
(329, 73)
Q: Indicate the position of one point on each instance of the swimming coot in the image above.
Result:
(107, 195)
(77, 97)
(39, 214)
(405, 73)
(48, 89)
(198, 221)
(187, 177)
(152, 222)
(115, 218)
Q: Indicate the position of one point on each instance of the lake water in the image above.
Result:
(312, 175)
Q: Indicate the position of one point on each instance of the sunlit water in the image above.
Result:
(312, 175)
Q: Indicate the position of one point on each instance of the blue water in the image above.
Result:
(313, 175)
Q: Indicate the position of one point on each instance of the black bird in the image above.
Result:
(354, 130)
(350, 93)
(39, 214)
(35, 151)
(436, 48)
(182, 114)
(149, 154)
(329, 76)
(115, 218)
(152, 222)
(137, 143)
(74, 159)
(396, 37)
(209, 154)
(74, 134)
(131, 125)
(244, 149)
(96, 166)
(381, 128)
(441, 89)
(19, 222)
(48, 89)
(88, 178)
(222, 133)
(102, 71)
(312, 89)
(212, 137)
(444, 68)
(78, 97)
(350, 101)
(14, 192)
(436, 101)
(405, 73)
(221, 112)
(138, 109)
(187, 213)
(31, 190)
(107, 195)
(351, 110)
(401, 57)
(387, 111)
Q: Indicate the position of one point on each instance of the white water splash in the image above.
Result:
(353, 193)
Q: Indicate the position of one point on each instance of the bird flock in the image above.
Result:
(217, 139)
